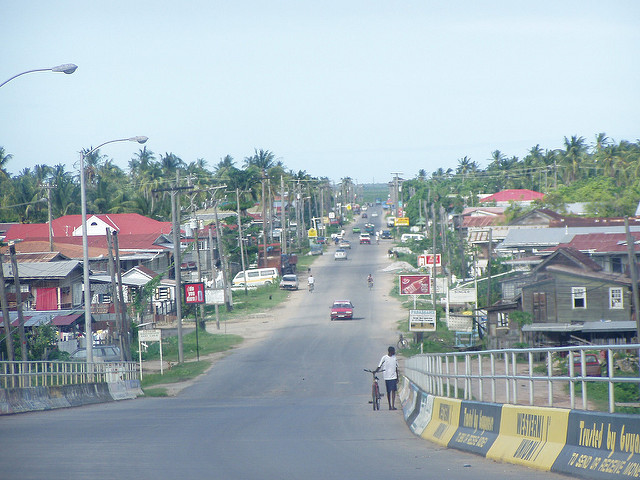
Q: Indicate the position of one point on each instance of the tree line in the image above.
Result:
(110, 189)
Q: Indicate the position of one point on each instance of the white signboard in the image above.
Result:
(460, 323)
(422, 320)
(462, 295)
(214, 296)
(154, 335)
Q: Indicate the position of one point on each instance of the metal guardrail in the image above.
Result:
(47, 374)
(535, 376)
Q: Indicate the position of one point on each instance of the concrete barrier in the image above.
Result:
(579, 443)
(530, 436)
(20, 400)
(601, 445)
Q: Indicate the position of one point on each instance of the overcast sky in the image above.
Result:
(335, 88)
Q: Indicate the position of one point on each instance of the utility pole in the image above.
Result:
(244, 268)
(175, 226)
(198, 265)
(228, 298)
(433, 269)
(283, 219)
(48, 186)
(6, 321)
(125, 333)
(214, 273)
(176, 268)
(396, 190)
(264, 222)
(16, 280)
(489, 267)
(114, 296)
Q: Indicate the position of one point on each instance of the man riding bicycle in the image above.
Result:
(370, 281)
(311, 282)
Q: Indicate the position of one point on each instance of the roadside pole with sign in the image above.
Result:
(145, 336)
(194, 294)
(419, 320)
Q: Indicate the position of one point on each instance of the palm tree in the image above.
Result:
(4, 159)
(572, 157)
(263, 160)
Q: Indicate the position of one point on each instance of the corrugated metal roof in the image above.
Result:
(42, 269)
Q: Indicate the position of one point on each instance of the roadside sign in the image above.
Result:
(422, 320)
(194, 292)
(462, 295)
(402, 222)
(426, 260)
(415, 284)
(154, 335)
(144, 336)
(312, 233)
(214, 296)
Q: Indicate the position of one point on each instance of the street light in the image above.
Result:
(88, 335)
(67, 68)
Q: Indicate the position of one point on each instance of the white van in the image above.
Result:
(411, 236)
(255, 277)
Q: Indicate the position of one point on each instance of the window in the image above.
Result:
(615, 298)
(579, 298)
(104, 298)
(503, 320)
(616, 265)
(162, 293)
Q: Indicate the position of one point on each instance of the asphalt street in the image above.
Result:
(293, 405)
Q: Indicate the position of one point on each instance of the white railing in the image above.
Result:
(47, 374)
(553, 377)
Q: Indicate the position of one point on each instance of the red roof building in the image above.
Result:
(519, 195)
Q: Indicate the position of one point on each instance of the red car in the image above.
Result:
(342, 309)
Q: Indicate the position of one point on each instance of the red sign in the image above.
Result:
(194, 292)
(426, 260)
(415, 284)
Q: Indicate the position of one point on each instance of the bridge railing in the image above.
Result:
(50, 373)
(554, 377)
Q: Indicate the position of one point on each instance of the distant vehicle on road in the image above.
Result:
(365, 239)
(289, 282)
(255, 277)
(411, 236)
(386, 234)
(342, 309)
(344, 244)
(340, 254)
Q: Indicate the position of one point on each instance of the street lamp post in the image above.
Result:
(67, 68)
(85, 245)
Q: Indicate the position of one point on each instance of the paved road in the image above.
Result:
(291, 406)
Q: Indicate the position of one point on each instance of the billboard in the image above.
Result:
(422, 320)
(194, 292)
(415, 284)
(402, 222)
(426, 260)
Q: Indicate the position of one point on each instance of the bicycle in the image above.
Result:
(311, 287)
(375, 390)
(403, 342)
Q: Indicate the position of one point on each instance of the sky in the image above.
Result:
(361, 89)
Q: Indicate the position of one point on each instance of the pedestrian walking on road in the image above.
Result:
(389, 366)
